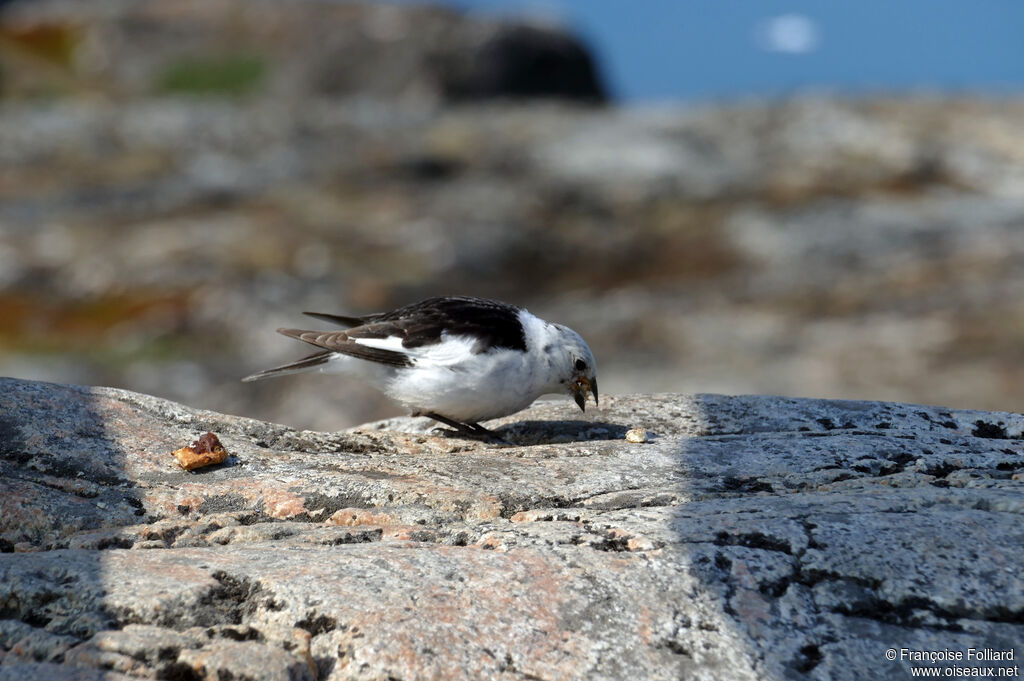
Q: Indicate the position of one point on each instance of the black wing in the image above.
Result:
(494, 324)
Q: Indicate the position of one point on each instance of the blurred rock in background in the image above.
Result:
(179, 178)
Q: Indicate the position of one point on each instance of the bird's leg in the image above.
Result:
(477, 428)
(461, 427)
(474, 430)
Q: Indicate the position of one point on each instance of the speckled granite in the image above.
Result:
(750, 538)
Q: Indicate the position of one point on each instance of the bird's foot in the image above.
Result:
(470, 430)
(489, 435)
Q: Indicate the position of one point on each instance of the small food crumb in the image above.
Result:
(205, 451)
(636, 435)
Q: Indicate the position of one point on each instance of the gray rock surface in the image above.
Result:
(750, 538)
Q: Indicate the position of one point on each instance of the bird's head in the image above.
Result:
(575, 364)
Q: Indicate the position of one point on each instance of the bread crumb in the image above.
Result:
(205, 451)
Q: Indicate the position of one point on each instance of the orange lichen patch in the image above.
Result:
(530, 516)
(34, 322)
(632, 542)
(408, 533)
(283, 504)
(640, 543)
(486, 508)
(205, 451)
(546, 515)
(50, 41)
(360, 516)
(496, 541)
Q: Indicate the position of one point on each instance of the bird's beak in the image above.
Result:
(580, 387)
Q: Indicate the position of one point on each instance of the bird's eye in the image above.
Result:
(580, 365)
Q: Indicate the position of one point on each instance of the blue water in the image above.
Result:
(701, 49)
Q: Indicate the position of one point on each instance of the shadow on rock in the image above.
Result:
(544, 432)
(61, 475)
(789, 560)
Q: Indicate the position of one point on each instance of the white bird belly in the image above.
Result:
(481, 387)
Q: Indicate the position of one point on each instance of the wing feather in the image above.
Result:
(305, 364)
(339, 319)
(339, 341)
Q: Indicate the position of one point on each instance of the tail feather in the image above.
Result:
(305, 364)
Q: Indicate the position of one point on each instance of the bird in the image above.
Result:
(458, 360)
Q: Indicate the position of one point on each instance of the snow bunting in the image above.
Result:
(457, 360)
